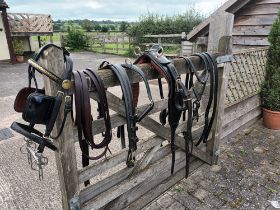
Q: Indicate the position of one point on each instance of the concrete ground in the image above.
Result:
(248, 175)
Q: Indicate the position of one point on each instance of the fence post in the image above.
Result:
(225, 47)
(123, 40)
(65, 156)
(51, 38)
(61, 39)
(159, 40)
(117, 43)
(104, 42)
(129, 43)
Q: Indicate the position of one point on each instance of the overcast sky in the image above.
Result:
(128, 10)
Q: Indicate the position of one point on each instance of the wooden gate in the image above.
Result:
(120, 187)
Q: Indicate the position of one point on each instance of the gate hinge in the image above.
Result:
(75, 203)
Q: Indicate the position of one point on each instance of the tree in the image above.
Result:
(112, 27)
(156, 24)
(87, 25)
(76, 39)
(104, 29)
(124, 26)
(270, 92)
(97, 27)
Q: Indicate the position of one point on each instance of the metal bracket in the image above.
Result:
(75, 203)
(224, 59)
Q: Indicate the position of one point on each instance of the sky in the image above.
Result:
(127, 10)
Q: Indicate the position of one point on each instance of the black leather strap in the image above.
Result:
(32, 134)
(131, 117)
(178, 95)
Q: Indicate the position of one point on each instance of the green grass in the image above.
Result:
(110, 47)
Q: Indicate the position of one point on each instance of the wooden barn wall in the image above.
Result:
(253, 23)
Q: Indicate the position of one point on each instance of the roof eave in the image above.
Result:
(231, 6)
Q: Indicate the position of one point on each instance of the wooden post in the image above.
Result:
(61, 39)
(39, 41)
(129, 43)
(225, 47)
(51, 38)
(104, 43)
(65, 156)
(8, 35)
(123, 40)
(159, 40)
(117, 43)
(29, 43)
(220, 25)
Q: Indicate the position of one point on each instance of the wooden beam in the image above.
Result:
(66, 155)
(117, 105)
(8, 36)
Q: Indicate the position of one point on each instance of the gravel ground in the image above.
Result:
(247, 176)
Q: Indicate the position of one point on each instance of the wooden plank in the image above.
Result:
(213, 144)
(110, 79)
(256, 20)
(103, 165)
(155, 170)
(117, 120)
(160, 188)
(65, 156)
(238, 110)
(260, 2)
(257, 9)
(162, 44)
(110, 181)
(241, 128)
(252, 49)
(242, 120)
(252, 40)
(251, 30)
(117, 105)
(126, 200)
(202, 40)
(236, 6)
(163, 36)
(221, 25)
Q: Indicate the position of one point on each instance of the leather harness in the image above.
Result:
(179, 103)
(179, 98)
(210, 74)
(130, 101)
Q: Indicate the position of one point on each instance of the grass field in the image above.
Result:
(110, 48)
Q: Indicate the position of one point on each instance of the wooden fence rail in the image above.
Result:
(182, 46)
(120, 187)
(118, 43)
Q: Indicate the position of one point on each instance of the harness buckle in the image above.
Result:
(131, 158)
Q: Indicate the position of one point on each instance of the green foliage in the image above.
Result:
(18, 46)
(155, 24)
(124, 26)
(104, 29)
(87, 25)
(75, 39)
(111, 27)
(270, 92)
(97, 27)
